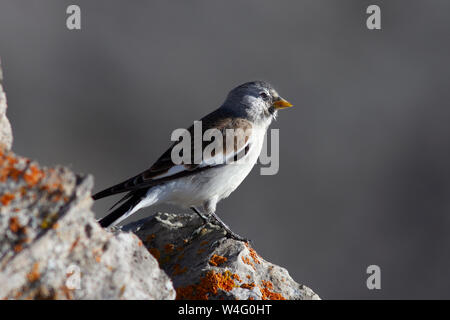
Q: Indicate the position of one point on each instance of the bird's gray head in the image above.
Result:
(257, 101)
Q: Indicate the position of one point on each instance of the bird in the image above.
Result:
(248, 110)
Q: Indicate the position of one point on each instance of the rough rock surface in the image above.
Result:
(204, 264)
(52, 247)
(5, 127)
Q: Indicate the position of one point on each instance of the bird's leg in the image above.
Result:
(210, 207)
(230, 233)
(205, 219)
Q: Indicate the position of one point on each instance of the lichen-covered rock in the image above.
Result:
(5, 127)
(204, 264)
(52, 247)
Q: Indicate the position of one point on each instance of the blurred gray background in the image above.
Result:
(364, 155)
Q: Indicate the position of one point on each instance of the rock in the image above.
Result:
(52, 247)
(6, 137)
(204, 264)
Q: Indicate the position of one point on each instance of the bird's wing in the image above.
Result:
(164, 169)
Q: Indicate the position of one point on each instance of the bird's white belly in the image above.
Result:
(216, 182)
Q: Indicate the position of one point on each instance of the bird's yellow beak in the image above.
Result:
(282, 104)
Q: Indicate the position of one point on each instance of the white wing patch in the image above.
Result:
(217, 159)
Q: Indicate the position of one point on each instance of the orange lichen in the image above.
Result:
(249, 286)
(11, 160)
(15, 227)
(122, 290)
(253, 254)
(225, 281)
(178, 270)
(56, 197)
(168, 248)
(203, 243)
(155, 252)
(97, 253)
(140, 243)
(267, 293)
(6, 198)
(217, 260)
(254, 257)
(74, 244)
(267, 284)
(67, 292)
(34, 274)
(8, 169)
(209, 286)
(15, 173)
(33, 175)
(236, 277)
(246, 260)
(14, 224)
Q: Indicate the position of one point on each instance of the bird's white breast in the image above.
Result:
(217, 182)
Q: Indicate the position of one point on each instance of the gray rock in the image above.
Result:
(52, 247)
(6, 137)
(204, 264)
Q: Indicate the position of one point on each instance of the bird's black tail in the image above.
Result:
(116, 214)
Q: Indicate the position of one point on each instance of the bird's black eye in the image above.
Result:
(264, 95)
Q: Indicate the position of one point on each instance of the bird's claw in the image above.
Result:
(235, 236)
